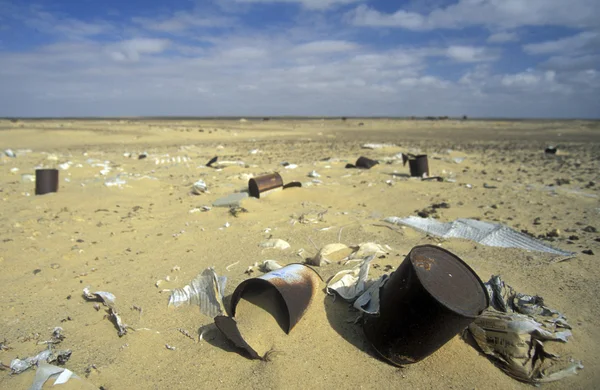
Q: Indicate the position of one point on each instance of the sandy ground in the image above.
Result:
(123, 239)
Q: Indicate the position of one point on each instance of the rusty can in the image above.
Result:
(419, 165)
(262, 184)
(427, 301)
(46, 181)
(365, 163)
(296, 284)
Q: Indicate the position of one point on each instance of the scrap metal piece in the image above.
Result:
(205, 290)
(485, 233)
(17, 366)
(295, 284)
(262, 185)
(109, 300)
(514, 330)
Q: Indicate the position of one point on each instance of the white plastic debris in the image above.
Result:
(109, 300)
(485, 233)
(377, 146)
(330, 253)
(66, 165)
(10, 153)
(518, 330)
(458, 160)
(199, 187)
(350, 284)
(14, 170)
(275, 243)
(27, 178)
(205, 291)
(270, 265)
(367, 249)
(225, 164)
(114, 182)
(291, 166)
(314, 174)
(254, 151)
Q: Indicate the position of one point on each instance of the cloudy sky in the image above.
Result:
(500, 58)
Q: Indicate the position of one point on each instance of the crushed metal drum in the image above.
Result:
(427, 301)
(264, 184)
(365, 163)
(46, 181)
(292, 286)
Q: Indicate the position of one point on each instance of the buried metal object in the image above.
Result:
(428, 300)
(365, 163)
(296, 284)
(263, 184)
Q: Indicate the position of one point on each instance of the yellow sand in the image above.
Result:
(123, 240)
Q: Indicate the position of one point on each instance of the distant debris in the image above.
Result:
(243, 120)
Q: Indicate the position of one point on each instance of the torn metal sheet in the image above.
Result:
(350, 284)
(17, 366)
(206, 291)
(517, 332)
(368, 302)
(46, 371)
(109, 300)
(485, 233)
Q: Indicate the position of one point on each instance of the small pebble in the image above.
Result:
(590, 229)
(553, 233)
(588, 252)
(574, 238)
(37, 271)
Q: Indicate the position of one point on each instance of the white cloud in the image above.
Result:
(471, 54)
(182, 21)
(490, 13)
(502, 37)
(70, 28)
(130, 50)
(309, 4)
(588, 40)
(324, 47)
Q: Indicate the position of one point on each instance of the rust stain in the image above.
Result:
(423, 262)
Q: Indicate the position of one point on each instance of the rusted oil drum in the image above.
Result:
(260, 185)
(419, 165)
(46, 181)
(428, 300)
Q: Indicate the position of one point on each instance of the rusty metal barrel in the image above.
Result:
(428, 300)
(419, 165)
(260, 185)
(46, 181)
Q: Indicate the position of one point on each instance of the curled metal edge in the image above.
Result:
(286, 281)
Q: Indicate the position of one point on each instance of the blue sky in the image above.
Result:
(500, 58)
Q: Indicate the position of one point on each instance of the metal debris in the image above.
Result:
(517, 330)
(485, 233)
(205, 290)
(109, 300)
(17, 366)
(46, 371)
(377, 146)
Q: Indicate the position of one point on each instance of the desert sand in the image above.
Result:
(124, 238)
